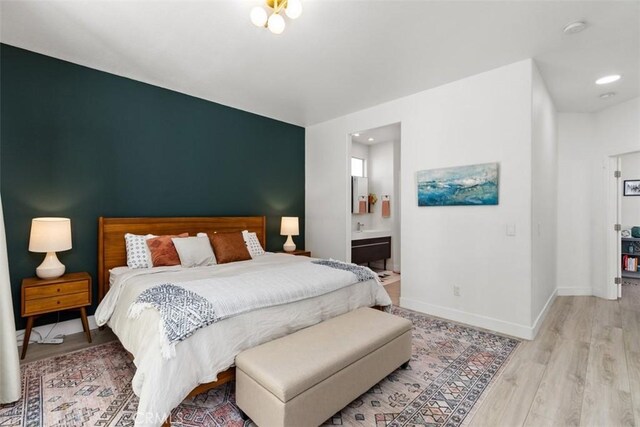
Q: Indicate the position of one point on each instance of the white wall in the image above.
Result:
(630, 214)
(381, 182)
(480, 119)
(586, 142)
(544, 158)
(361, 151)
(396, 204)
(578, 172)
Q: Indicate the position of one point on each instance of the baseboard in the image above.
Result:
(543, 313)
(508, 328)
(570, 292)
(67, 327)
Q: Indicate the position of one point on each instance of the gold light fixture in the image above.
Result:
(274, 21)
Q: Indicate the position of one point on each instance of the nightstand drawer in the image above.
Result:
(45, 291)
(56, 303)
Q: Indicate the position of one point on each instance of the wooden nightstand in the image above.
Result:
(42, 296)
(298, 252)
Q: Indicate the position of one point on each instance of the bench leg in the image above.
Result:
(405, 365)
(244, 416)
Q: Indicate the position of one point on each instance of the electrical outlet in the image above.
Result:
(456, 290)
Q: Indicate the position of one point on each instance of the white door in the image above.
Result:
(619, 221)
(613, 290)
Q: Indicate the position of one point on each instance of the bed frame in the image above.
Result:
(112, 251)
(111, 247)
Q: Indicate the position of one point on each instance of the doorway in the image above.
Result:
(626, 204)
(375, 217)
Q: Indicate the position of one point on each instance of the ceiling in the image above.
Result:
(338, 57)
(381, 134)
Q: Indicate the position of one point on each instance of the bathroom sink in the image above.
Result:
(369, 233)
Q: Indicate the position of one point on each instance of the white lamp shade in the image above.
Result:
(258, 16)
(289, 226)
(50, 235)
(276, 23)
(293, 9)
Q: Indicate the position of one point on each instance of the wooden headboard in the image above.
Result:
(111, 246)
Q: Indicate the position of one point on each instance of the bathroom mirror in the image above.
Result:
(359, 195)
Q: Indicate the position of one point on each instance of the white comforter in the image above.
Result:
(161, 384)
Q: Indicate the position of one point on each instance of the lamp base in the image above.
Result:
(289, 246)
(51, 267)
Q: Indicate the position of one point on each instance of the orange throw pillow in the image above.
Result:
(163, 251)
(229, 247)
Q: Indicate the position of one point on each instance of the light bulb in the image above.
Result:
(276, 24)
(258, 16)
(608, 79)
(293, 9)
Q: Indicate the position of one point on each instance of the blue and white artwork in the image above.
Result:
(461, 185)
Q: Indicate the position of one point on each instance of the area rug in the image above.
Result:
(451, 366)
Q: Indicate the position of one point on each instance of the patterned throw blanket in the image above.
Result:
(183, 311)
(362, 273)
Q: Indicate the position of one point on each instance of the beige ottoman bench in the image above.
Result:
(304, 378)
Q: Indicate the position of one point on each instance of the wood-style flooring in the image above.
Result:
(583, 369)
(71, 343)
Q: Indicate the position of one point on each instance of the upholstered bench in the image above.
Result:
(304, 378)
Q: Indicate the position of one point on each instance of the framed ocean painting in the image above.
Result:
(459, 186)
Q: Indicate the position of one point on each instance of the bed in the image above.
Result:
(205, 359)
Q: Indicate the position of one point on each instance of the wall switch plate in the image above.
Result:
(456, 290)
(511, 229)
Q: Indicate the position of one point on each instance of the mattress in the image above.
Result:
(161, 383)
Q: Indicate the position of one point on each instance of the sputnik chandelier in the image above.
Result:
(274, 21)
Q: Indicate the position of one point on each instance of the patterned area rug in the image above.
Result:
(451, 367)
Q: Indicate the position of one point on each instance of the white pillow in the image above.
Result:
(194, 251)
(253, 244)
(138, 253)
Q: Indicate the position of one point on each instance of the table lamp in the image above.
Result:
(50, 235)
(289, 227)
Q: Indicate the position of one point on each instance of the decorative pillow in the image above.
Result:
(163, 251)
(138, 254)
(194, 251)
(253, 244)
(229, 247)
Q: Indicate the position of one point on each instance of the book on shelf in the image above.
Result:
(629, 263)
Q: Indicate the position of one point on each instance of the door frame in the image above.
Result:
(613, 216)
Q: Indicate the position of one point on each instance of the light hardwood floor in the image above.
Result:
(71, 343)
(583, 369)
(393, 289)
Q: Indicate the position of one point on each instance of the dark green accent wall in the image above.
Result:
(81, 143)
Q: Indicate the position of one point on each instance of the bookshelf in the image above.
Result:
(630, 254)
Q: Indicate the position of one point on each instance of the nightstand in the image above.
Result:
(298, 252)
(42, 296)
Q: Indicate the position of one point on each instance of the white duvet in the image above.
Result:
(160, 383)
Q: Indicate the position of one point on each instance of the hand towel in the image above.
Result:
(386, 209)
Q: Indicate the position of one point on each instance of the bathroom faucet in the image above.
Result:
(360, 225)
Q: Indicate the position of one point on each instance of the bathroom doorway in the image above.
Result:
(375, 201)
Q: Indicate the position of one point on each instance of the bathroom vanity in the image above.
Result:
(370, 245)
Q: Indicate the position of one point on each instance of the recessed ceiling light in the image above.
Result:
(356, 134)
(574, 27)
(608, 79)
(370, 140)
(607, 95)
